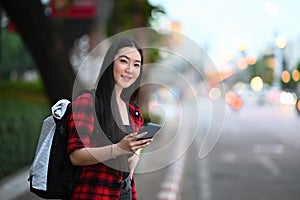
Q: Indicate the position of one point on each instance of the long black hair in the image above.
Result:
(105, 90)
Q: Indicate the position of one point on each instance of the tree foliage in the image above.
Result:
(47, 47)
(131, 14)
(14, 55)
(44, 44)
(264, 69)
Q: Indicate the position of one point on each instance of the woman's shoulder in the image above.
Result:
(85, 97)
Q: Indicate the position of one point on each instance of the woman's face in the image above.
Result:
(127, 66)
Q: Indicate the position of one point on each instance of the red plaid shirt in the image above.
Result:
(96, 181)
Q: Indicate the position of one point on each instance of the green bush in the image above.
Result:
(20, 125)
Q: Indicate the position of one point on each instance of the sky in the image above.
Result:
(221, 25)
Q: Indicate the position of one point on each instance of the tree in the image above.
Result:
(44, 44)
(13, 48)
(130, 14)
(47, 47)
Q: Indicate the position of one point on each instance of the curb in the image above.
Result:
(14, 185)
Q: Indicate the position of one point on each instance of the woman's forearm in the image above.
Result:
(91, 156)
(128, 145)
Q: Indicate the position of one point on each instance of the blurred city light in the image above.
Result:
(271, 8)
(227, 57)
(233, 100)
(287, 98)
(215, 93)
(241, 45)
(257, 83)
(229, 97)
(242, 63)
(285, 76)
(295, 75)
(251, 59)
(237, 103)
(274, 96)
(280, 42)
(298, 106)
(240, 87)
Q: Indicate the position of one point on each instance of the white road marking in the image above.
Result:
(269, 164)
(204, 176)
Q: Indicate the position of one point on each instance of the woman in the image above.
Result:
(103, 150)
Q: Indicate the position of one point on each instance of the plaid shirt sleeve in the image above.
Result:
(81, 123)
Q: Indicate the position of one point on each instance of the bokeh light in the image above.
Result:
(234, 100)
(287, 98)
(229, 97)
(280, 42)
(242, 63)
(295, 75)
(241, 45)
(257, 83)
(285, 76)
(251, 59)
(237, 103)
(298, 106)
(215, 93)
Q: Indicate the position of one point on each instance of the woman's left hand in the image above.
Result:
(133, 160)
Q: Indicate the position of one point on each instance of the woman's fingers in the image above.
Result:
(135, 136)
(134, 142)
(142, 143)
(131, 135)
(138, 136)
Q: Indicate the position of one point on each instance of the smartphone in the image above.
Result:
(151, 130)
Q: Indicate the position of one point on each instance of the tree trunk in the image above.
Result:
(45, 45)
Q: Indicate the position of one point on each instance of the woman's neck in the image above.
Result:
(118, 91)
(122, 108)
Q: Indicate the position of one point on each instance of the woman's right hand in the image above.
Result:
(130, 143)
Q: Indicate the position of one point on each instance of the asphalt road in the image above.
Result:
(256, 157)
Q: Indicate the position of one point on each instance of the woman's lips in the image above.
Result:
(126, 78)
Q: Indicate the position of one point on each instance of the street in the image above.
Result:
(256, 157)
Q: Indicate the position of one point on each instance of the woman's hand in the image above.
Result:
(133, 161)
(130, 143)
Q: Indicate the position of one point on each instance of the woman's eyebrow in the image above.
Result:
(128, 58)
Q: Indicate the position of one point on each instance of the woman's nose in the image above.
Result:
(129, 68)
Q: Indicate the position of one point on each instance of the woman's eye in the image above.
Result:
(137, 65)
(123, 61)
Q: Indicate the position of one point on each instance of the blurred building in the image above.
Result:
(72, 18)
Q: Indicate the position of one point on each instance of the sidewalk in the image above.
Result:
(14, 185)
